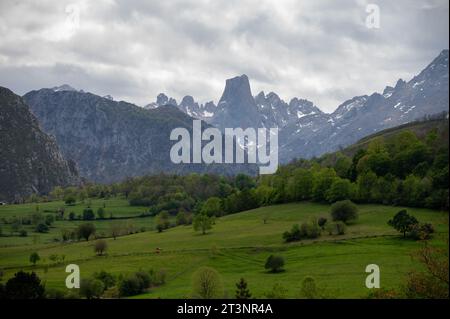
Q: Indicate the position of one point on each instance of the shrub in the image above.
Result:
(293, 235)
(277, 292)
(344, 211)
(309, 288)
(130, 286)
(340, 228)
(23, 233)
(88, 214)
(41, 228)
(106, 278)
(24, 286)
(49, 219)
(101, 213)
(86, 230)
(72, 216)
(337, 228)
(34, 258)
(321, 222)
(421, 231)
(91, 288)
(70, 200)
(274, 263)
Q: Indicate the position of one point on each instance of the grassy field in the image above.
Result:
(238, 246)
(117, 208)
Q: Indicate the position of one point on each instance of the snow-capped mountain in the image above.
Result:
(306, 131)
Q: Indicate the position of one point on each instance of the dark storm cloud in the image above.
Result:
(316, 49)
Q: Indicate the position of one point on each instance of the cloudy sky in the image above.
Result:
(321, 50)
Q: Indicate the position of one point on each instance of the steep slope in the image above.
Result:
(425, 94)
(112, 140)
(237, 107)
(30, 161)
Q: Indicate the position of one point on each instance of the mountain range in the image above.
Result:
(306, 131)
(106, 141)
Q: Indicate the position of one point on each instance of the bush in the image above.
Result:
(293, 235)
(86, 230)
(34, 258)
(91, 288)
(344, 211)
(274, 263)
(88, 214)
(309, 230)
(130, 286)
(24, 286)
(309, 288)
(101, 213)
(41, 228)
(106, 278)
(421, 231)
(49, 219)
(23, 233)
(321, 222)
(70, 200)
(338, 228)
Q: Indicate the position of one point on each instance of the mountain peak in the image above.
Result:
(64, 87)
(237, 91)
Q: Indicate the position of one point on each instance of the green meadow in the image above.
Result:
(237, 246)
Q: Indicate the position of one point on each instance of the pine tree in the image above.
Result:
(242, 292)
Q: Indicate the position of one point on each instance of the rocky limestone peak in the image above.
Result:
(237, 92)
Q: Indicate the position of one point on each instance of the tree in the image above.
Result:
(322, 183)
(206, 283)
(202, 222)
(309, 288)
(274, 263)
(212, 207)
(49, 219)
(341, 189)
(34, 258)
(88, 214)
(403, 222)
(106, 278)
(116, 229)
(70, 200)
(100, 247)
(344, 211)
(24, 286)
(101, 213)
(181, 218)
(41, 228)
(162, 221)
(91, 288)
(242, 291)
(86, 230)
(321, 222)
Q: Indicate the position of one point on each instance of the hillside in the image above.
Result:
(30, 160)
(420, 128)
(242, 242)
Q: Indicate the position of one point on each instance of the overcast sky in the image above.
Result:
(321, 50)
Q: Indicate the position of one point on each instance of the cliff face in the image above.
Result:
(112, 140)
(30, 160)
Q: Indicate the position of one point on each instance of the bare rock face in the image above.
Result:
(30, 160)
(237, 107)
(111, 140)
